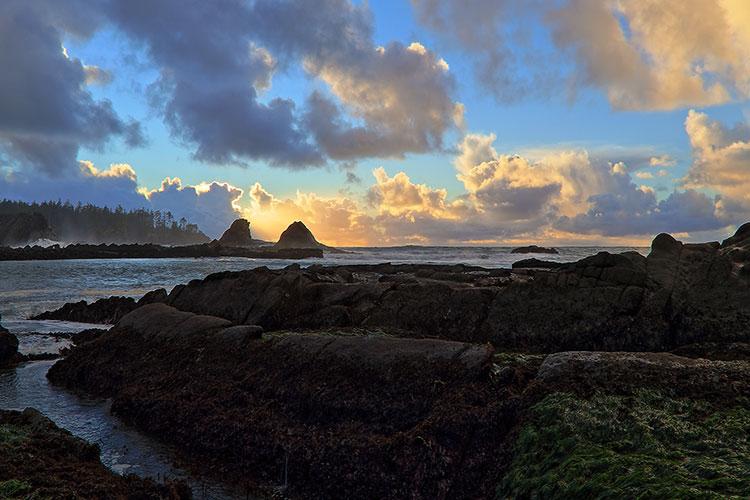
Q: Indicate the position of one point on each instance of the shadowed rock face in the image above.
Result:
(20, 229)
(238, 235)
(8, 346)
(298, 236)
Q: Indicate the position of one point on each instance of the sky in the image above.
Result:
(451, 122)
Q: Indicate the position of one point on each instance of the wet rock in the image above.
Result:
(153, 297)
(534, 249)
(87, 336)
(240, 334)
(8, 347)
(162, 321)
(347, 415)
(720, 351)
(535, 263)
(588, 371)
(40, 460)
(103, 311)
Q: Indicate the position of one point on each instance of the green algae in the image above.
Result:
(13, 488)
(648, 445)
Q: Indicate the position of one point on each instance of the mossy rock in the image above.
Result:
(647, 445)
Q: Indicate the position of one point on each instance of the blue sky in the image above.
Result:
(612, 107)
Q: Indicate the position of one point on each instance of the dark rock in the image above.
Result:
(742, 236)
(348, 415)
(87, 335)
(238, 235)
(153, 297)
(719, 351)
(149, 251)
(241, 333)
(21, 229)
(103, 311)
(535, 263)
(44, 461)
(298, 236)
(585, 372)
(8, 347)
(534, 249)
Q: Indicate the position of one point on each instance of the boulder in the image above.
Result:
(8, 346)
(238, 235)
(535, 249)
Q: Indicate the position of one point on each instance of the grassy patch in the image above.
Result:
(643, 446)
(13, 488)
(11, 434)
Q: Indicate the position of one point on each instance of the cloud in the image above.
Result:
(334, 221)
(94, 75)
(212, 206)
(721, 157)
(381, 101)
(482, 29)
(632, 50)
(46, 112)
(116, 185)
(211, 72)
(662, 161)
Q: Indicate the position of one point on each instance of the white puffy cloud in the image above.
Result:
(212, 206)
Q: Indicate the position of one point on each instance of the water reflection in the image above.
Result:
(123, 449)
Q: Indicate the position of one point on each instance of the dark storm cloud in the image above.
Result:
(636, 212)
(206, 92)
(46, 112)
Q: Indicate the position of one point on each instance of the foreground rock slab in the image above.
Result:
(40, 460)
(346, 415)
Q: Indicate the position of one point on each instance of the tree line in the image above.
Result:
(87, 223)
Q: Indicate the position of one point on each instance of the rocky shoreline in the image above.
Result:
(150, 251)
(40, 460)
(424, 381)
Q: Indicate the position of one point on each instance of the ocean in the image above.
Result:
(31, 287)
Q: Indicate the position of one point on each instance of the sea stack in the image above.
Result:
(238, 235)
(298, 236)
(535, 249)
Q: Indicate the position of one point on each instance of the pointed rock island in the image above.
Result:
(298, 236)
(238, 235)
